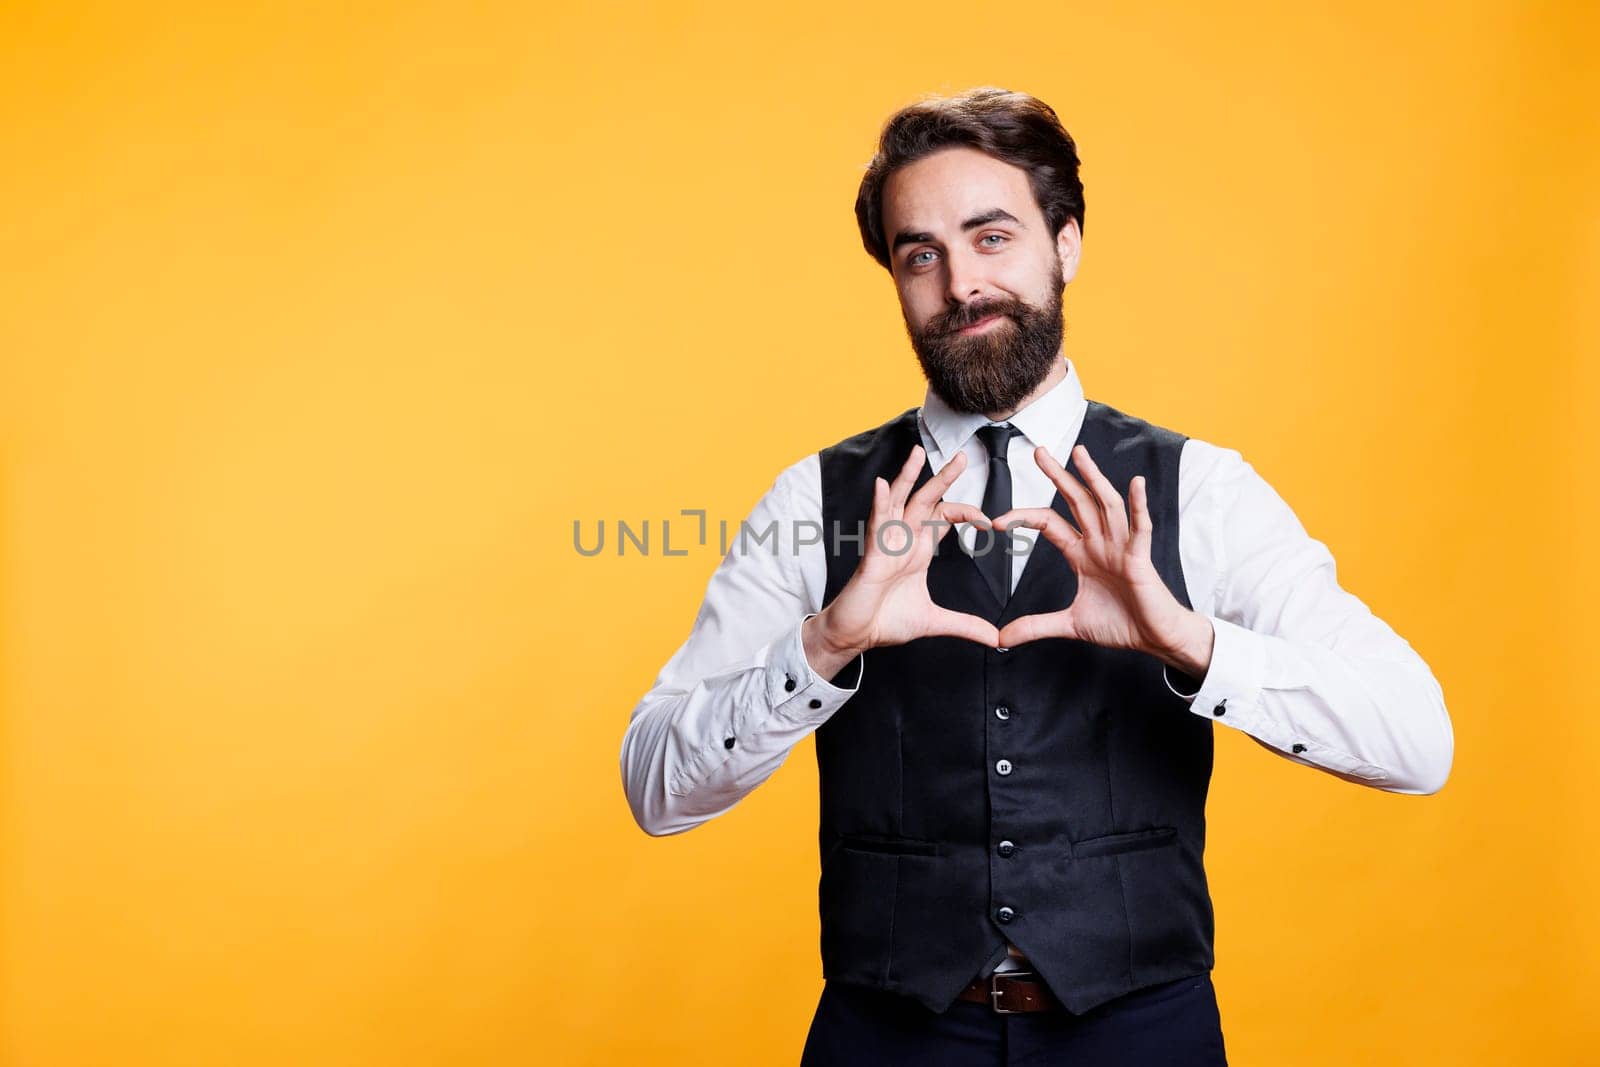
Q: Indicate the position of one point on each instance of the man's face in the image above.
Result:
(979, 276)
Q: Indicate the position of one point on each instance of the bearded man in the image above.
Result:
(1025, 615)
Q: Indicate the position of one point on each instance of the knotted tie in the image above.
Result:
(995, 564)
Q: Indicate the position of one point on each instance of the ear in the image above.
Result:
(1069, 246)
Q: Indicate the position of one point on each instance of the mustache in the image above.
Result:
(968, 314)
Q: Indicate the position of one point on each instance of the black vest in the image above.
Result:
(1084, 847)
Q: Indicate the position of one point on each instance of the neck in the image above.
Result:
(1058, 371)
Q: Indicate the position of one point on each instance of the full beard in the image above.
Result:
(994, 370)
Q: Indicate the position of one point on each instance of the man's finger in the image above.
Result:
(1047, 521)
(1033, 627)
(943, 621)
(934, 488)
(881, 494)
(1139, 504)
(1106, 495)
(1084, 508)
(952, 512)
(904, 481)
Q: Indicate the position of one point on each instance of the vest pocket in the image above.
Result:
(889, 846)
(1133, 841)
(856, 900)
(1169, 912)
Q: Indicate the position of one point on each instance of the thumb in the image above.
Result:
(960, 624)
(1033, 627)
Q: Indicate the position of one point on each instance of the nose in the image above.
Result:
(965, 280)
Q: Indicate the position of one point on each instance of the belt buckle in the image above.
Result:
(995, 992)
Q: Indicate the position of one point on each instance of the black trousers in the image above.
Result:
(1172, 1023)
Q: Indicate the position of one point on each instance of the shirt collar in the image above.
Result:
(1043, 422)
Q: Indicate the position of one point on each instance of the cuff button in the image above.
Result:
(1220, 709)
(1299, 748)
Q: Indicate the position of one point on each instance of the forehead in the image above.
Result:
(937, 191)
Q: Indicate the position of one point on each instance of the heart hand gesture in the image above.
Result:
(1122, 601)
(886, 600)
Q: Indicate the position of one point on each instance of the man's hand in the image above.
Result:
(886, 600)
(1121, 601)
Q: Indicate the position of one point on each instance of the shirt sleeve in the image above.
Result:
(1298, 663)
(739, 693)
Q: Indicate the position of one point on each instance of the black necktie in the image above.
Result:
(995, 564)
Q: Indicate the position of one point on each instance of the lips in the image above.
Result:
(981, 322)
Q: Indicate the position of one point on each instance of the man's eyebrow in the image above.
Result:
(994, 214)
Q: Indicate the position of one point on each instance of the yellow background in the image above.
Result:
(320, 327)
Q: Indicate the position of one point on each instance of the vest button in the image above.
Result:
(1002, 650)
(1005, 848)
(1002, 712)
(1004, 914)
(1003, 767)
(788, 683)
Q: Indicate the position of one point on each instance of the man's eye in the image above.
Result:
(915, 260)
(996, 236)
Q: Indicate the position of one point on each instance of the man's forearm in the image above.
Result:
(690, 754)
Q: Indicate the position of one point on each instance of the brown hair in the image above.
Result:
(1020, 129)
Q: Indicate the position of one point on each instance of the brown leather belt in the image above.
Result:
(1011, 992)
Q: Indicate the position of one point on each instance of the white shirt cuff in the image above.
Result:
(1231, 690)
(799, 693)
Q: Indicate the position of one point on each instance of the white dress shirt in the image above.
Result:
(1304, 667)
